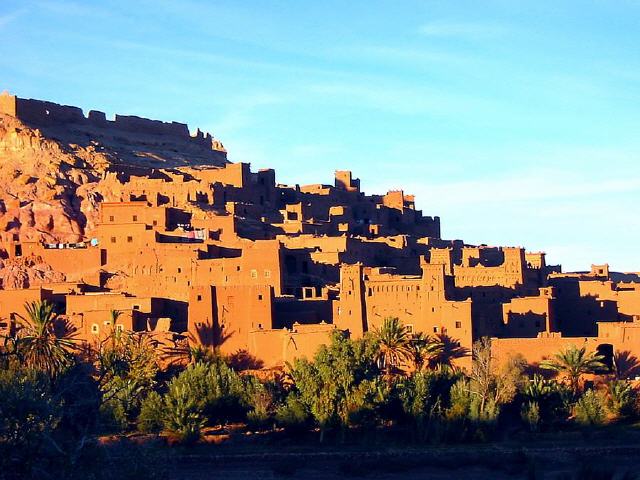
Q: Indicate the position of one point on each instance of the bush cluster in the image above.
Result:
(390, 380)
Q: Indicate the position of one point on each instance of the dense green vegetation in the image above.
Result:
(57, 397)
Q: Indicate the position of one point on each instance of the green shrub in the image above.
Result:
(27, 409)
(530, 414)
(113, 417)
(126, 369)
(422, 397)
(218, 392)
(261, 403)
(589, 409)
(554, 399)
(183, 413)
(28, 415)
(293, 414)
(621, 398)
(152, 411)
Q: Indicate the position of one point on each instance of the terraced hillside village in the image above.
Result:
(143, 217)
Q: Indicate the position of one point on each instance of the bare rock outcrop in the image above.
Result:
(25, 272)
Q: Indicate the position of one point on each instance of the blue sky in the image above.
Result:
(518, 123)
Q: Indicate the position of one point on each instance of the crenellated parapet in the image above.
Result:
(45, 114)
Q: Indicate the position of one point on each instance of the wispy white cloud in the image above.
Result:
(469, 31)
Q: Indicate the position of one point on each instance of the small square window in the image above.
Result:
(111, 219)
(254, 274)
(136, 307)
(135, 218)
(129, 239)
(95, 328)
(458, 324)
(155, 223)
(267, 274)
(113, 239)
(435, 329)
(259, 297)
(199, 298)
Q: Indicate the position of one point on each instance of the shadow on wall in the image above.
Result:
(243, 360)
(626, 365)
(451, 350)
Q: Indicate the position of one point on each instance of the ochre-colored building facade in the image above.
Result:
(228, 257)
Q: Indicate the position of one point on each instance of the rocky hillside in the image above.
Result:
(52, 178)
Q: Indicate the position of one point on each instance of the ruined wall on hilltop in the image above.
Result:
(43, 113)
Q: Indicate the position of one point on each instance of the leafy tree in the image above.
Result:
(491, 384)
(393, 340)
(39, 345)
(573, 363)
(337, 383)
(424, 396)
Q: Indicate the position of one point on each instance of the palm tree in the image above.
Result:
(115, 335)
(39, 345)
(573, 363)
(424, 349)
(187, 351)
(393, 340)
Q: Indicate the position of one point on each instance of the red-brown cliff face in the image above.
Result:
(46, 189)
(56, 166)
(53, 177)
